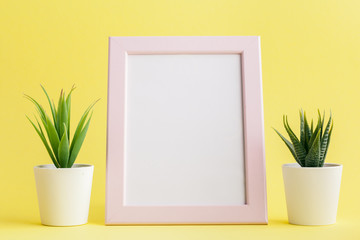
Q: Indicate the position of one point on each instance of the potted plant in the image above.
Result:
(311, 186)
(63, 188)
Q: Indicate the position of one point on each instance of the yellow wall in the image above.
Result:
(310, 60)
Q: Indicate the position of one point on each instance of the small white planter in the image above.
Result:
(64, 194)
(312, 194)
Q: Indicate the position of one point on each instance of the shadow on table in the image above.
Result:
(17, 221)
(278, 222)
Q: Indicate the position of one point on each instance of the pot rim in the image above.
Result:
(326, 166)
(52, 167)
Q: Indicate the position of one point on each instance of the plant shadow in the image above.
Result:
(10, 222)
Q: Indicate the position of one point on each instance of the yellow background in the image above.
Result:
(310, 60)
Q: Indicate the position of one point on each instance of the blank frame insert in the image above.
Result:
(184, 140)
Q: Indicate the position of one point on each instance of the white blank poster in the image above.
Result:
(184, 130)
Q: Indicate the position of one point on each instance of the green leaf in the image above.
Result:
(302, 128)
(43, 139)
(78, 129)
(326, 141)
(322, 124)
(51, 106)
(68, 109)
(313, 157)
(63, 151)
(308, 132)
(53, 136)
(289, 145)
(327, 146)
(63, 116)
(78, 143)
(81, 124)
(39, 108)
(58, 113)
(313, 136)
(299, 149)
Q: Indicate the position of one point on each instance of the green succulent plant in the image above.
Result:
(62, 151)
(311, 149)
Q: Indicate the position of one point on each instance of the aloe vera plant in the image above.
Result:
(311, 149)
(62, 151)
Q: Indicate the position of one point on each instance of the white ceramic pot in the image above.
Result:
(64, 194)
(312, 193)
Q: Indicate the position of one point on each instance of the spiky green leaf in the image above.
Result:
(58, 113)
(299, 149)
(302, 128)
(78, 143)
(63, 151)
(51, 106)
(63, 116)
(322, 124)
(43, 139)
(313, 157)
(68, 109)
(308, 132)
(327, 146)
(81, 124)
(39, 108)
(289, 145)
(53, 136)
(324, 140)
(314, 134)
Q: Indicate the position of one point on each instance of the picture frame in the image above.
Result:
(185, 138)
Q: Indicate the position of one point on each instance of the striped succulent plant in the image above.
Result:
(311, 149)
(62, 152)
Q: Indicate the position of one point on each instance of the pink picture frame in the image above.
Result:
(254, 209)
